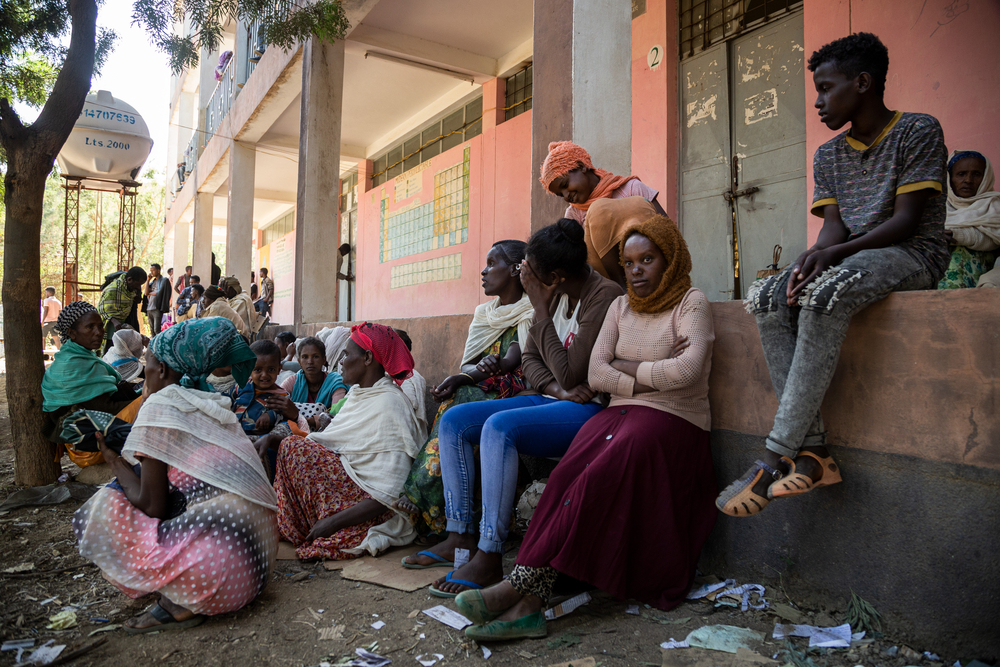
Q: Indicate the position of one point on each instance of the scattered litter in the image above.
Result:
(423, 636)
(366, 659)
(428, 659)
(528, 501)
(105, 628)
(413, 614)
(632, 609)
(301, 576)
(726, 638)
(320, 611)
(589, 661)
(487, 653)
(933, 657)
(787, 612)
(45, 602)
(45, 653)
(673, 643)
(312, 612)
(564, 640)
(958, 663)
(837, 637)
(62, 620)
(378, 625)
(744, 593)
(909, 654)
(15, 644)
(22, 567)
(335, 632)
(63, 477)
(79, 576)
(461, 557)
(567, 606)
(706, 589)
(890, 652)
(39, 495)
(447, 616)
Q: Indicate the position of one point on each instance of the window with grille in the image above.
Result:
(518, 94)
(456, 127)
(279, 228)
(707, 22)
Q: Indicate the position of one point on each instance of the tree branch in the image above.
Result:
(62, 109)
(11, 126)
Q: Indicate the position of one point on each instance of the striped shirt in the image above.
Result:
(863, 181)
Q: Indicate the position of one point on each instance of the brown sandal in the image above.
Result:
(738, 499)
(796, 483)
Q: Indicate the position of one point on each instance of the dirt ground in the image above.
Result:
(282, 626)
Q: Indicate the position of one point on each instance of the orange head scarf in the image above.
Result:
(676, 280)
(564, 157)
(607, 223)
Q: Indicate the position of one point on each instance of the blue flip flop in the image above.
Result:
(441, 562)
(471, 585)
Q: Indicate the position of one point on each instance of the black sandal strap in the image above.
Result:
(161, 614)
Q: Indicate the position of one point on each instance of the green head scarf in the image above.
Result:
(197, 347)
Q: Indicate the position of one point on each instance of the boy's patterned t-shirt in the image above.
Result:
(908, 155)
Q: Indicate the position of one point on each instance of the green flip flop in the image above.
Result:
(531, 626)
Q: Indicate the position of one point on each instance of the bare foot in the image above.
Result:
(484, 569)
(146, 620)
(446, 549)
(403, 504)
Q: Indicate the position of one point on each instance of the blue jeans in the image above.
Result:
(533, 425)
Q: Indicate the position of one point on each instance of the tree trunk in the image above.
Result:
(30, 153)
(35, 460)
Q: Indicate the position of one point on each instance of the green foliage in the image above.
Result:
(98, 252)
(283, 23)
(862, 615)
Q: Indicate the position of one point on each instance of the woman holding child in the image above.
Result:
(490, 369)
(570, 301)
(630, 505)
(335, 487)
(195, 520)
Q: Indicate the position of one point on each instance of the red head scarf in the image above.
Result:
(564, 157)
(387, 347)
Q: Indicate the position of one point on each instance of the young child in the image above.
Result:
(878, 187)
(261, 404)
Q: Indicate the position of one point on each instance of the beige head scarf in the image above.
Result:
(607, 223)
(975, 221)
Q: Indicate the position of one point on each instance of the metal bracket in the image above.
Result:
(729, 195)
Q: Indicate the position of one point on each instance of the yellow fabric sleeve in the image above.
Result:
(919, 185)
(816, 208)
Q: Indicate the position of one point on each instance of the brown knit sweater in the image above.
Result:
(681, 382)
(544, 358)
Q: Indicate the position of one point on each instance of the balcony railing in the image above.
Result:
(220, 102)
(184, 168)
(255, 47)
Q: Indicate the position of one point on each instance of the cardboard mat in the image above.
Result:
(385, 570)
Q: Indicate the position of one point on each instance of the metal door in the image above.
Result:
(706, 218)
(769, 145)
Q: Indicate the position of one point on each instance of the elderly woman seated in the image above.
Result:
(79, 378)
(973, 222)
(194, 521)
(336, 486)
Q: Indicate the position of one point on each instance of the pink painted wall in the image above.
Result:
(941, 61)
(499, 202)
(654, 101)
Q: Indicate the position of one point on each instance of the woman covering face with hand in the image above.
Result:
(630, 505)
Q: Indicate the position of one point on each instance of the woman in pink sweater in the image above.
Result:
(631, 503)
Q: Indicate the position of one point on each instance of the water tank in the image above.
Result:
(109, 141)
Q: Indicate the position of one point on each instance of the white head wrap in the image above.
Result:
(975, 221)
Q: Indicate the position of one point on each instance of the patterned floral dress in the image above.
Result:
(213, 558)
(966, 266)
(315, 485)
(424, 487)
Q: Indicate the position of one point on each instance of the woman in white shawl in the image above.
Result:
(973, 222)
(191, 515)
(490, 368)
(335, 486)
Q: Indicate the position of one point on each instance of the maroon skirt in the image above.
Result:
(629, 507)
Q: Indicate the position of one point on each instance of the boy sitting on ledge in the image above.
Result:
(878, 188)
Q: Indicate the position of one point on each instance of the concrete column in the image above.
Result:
(365, 170)
(239, 217)
(317, 218)
(187, 120)
(202, 246)
(182, 241)
(494, 97)
(592, 39)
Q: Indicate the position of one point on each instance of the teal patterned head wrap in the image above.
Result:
(197, 347)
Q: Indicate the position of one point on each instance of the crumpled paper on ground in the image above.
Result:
(835, 637)
(728, 638)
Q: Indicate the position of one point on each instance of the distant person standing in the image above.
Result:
(345, 252)
(51, 307)
(120, 294)
(157, 298)
(266, 300)
(216, 272)
(184, 281)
